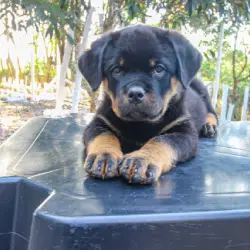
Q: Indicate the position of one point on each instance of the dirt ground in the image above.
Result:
(14, 115)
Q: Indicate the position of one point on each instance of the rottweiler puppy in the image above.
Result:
(154, 109)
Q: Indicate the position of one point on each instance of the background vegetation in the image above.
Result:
(52, 24)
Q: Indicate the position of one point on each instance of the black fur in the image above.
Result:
(134, 124)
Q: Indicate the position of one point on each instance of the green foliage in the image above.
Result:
(196, 13)
(231, 10)
(43, 72)
(4, 72)
(242, 70)
(18, 15)
(242, 53)
(135, 10)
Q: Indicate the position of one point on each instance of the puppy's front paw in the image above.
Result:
(103, 155)
(104, 165)
(137, 169)
(210, 128)
(146, 165)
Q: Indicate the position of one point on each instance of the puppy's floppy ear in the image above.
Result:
(188, 57)
(90, 62)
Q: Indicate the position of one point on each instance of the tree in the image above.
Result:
(240, 66)
(235, 64)
(196, 13)
(78, 75)
(112, 14)
(53, 14)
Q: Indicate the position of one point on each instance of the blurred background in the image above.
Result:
(41, 40)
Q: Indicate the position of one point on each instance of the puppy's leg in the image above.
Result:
(210, 127)
(159, 155)
(103, 150)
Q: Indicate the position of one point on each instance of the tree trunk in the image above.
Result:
(235, 80)
(114, 6)
(58, 65)
(63, 73)
(17, 67)
(245, 104)
(82, 46)
(33, 81)
(61, 44)
(217, 78)
(48, 60)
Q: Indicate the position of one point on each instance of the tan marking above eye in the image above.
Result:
(121, 61)
(152, 62)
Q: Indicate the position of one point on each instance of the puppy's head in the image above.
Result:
(142, 68)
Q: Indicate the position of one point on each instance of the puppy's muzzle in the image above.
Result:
(135, 94)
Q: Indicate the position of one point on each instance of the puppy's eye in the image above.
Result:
(117, 71)
(158, 69)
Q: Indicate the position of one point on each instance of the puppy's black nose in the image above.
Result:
(135, 94)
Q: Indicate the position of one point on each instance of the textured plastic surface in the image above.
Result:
(18, 200)
(202, 204)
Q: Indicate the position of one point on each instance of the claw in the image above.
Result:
(104, 166)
